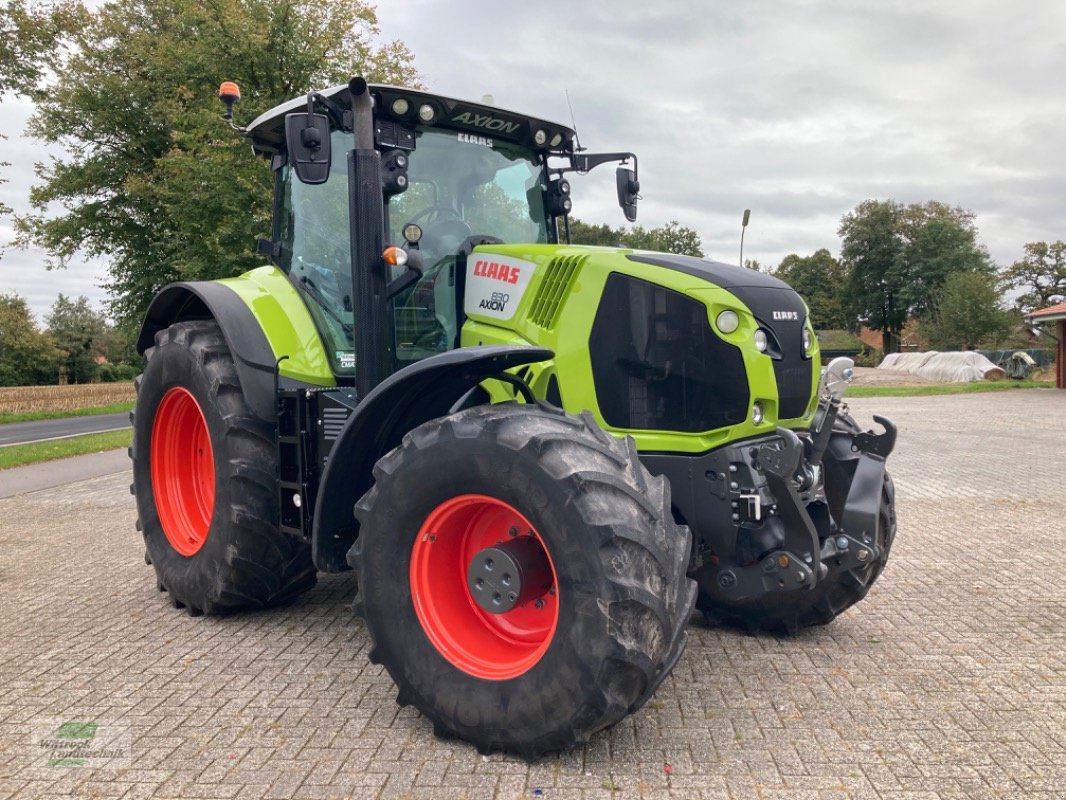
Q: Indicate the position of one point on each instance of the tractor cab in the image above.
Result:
(452, 175)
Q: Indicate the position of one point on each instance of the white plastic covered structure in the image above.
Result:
(946, 367)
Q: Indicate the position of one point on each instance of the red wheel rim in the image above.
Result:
(183, 471)
(480, 643)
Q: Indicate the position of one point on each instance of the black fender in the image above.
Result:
(418, 393)
(251, 351)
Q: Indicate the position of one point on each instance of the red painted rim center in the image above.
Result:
(480, 643)
(183, 471)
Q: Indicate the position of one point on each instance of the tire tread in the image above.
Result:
(646, 628)
(265, 567)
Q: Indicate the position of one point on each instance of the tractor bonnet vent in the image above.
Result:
(558, 277)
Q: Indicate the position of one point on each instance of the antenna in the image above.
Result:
(573, 123)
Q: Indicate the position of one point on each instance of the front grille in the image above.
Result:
(658, 365)
(793, 387)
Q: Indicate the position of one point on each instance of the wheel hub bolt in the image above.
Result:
(842, 542)
(863, 555)
(727, 580)
(783, 561)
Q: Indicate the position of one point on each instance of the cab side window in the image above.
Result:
(312, 231)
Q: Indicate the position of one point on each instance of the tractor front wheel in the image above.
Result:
(521, 576)
(203, 475)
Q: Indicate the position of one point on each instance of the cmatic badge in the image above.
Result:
(495, 285)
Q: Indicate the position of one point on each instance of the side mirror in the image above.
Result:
(307, 140)
(628, 189)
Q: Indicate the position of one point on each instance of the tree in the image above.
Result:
(897, 258)
(969, 313)
(27, 32)
(4, 209)
(669, 238)
(872, 251)
(27, 356)
(939, 241)
(82, 333)
(673, 237)
(154, 179)
(598, 235)
(1042, 272)
(817, 279)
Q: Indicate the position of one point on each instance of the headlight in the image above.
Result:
(756, 414)
(808, 341)
(728, 321)
(761, 340)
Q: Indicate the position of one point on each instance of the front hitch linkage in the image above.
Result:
(799, 564)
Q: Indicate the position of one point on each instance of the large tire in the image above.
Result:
(833, 595)
(204, 478)
(565, 663)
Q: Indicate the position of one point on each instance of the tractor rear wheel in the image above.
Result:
(203, 475)
(837, 592)
(521, 576)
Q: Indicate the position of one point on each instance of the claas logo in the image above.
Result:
(499, 272)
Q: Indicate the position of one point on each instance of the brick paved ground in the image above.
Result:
(949, 681)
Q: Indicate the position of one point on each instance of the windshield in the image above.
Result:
(459, 185)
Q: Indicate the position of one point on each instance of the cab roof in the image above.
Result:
(267, 131)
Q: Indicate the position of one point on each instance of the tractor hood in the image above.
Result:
(725, 275)
(646, 327)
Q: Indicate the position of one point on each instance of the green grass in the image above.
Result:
(30, 416)
(18, 455)
(946, 388)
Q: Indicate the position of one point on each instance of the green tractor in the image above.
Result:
(537, 457)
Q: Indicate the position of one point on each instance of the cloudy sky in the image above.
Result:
(796, 109)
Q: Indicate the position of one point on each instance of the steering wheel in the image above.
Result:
(444, 230)
(439, 211)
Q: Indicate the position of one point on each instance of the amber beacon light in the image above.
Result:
(230, 94)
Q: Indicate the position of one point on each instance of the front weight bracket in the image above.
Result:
(777, 572)
(780, 462)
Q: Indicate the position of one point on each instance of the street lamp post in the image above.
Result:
(743, 227)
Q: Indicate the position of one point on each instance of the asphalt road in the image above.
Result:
(47, 429)
(947, 683)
